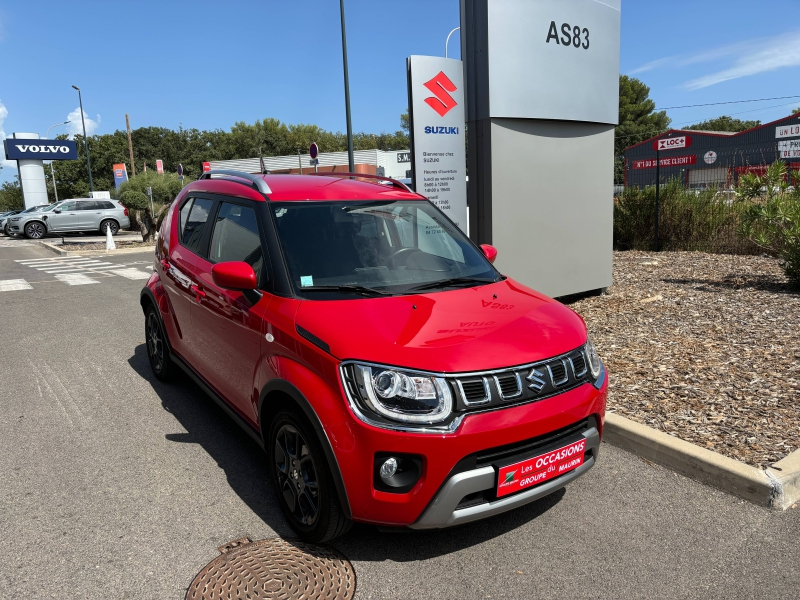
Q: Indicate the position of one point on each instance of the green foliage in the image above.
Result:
(134, 200)
(637, 119)
(165, 187)
(701, 220)
(773, 220)
(404, 122)
(724, 123)
(11, 196)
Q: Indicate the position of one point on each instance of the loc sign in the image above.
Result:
(673, 143)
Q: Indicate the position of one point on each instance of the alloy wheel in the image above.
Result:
(297, 475)
(155, 344)
(35, 231)
(112, 226)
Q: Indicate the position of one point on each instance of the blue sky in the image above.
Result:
(210, 64)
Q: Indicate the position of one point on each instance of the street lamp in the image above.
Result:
(52, 170)
(447, 41)
(350, 159)
(85, 144)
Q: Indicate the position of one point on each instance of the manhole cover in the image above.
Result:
(274, 568)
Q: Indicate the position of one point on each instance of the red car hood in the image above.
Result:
(486, 327)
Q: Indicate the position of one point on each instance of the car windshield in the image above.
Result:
(354, 248)
(37, 208)
(50, 207)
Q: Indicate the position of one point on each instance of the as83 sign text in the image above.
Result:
(570, 35)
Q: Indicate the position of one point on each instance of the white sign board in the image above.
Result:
(785, 131)
(710, 157)
(789, 148)
(437, 130)
(672, 143)
(551, 59)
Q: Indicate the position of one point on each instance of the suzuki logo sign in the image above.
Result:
(439, 86)
(673, 143)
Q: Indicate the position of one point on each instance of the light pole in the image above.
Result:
(85, 144)
(447, 41)
(52, 170)
(350, 159)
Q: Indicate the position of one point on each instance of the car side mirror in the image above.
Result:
(234, 275)
(490, 252)
(57, 211)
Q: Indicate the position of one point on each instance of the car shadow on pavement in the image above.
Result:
(245, 466)
(240, 458)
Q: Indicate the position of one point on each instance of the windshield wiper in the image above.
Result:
(453, 281)
(345, 289)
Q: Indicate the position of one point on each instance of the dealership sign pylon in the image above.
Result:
(436, 120)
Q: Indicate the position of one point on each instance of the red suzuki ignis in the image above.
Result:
(392, 375)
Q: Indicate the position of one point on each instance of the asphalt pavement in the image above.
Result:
(114, 485)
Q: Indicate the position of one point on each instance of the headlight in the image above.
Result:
(400, 395)
(17, 219)
(595, 364)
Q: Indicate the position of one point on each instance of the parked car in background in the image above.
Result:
(15, 214)
(78, 214)
(391, 373)
(5, 215)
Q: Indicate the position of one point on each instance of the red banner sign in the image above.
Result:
(673, 143)
(206, 167)
(670, 161)
(160, 165)
(539, 469)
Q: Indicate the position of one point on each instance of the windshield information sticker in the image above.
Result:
(536, 470)
(307, 281)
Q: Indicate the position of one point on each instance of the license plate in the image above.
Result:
(541, 468)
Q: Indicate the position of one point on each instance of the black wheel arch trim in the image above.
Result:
(285, 387)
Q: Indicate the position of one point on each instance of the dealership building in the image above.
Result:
(702, 159)
(388, 163)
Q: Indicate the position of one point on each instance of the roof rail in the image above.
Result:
(256, 180)
(394, 182)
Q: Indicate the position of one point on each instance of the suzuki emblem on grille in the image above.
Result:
(537, 380)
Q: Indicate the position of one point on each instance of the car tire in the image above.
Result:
(302, 479)
(157, 346)
(109, 223)
(35, 230)
(7, 231)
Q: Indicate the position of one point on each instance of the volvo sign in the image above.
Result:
(38, 149)
(436, 115)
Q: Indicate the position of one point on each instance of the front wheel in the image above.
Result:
(7, 231)
(109, 224)
(303, 481)
(35, 230)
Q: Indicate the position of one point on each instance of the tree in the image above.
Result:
(11, 196)
(132, 194)
(404, 123)
(724, 123)
(637, 119)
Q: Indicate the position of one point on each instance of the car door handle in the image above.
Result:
(198, 293)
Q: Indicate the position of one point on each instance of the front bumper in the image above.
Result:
(427, 505)
(444, 511)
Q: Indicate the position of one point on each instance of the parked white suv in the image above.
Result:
(78, 214)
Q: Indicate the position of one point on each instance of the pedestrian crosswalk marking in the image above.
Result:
(131, 273)
(75, 279)
(10, 285)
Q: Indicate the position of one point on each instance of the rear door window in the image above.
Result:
(194, 224)
(236, 237)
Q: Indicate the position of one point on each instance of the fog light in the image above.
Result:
(388, 468)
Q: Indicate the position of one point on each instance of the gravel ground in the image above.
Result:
(704, 347)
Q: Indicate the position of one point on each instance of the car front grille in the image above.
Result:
(520, 384)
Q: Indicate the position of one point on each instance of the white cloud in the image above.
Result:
(9, 164)
(759, 56)
(748, 57)
(75, 125)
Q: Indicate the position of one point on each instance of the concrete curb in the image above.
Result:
(777, 488)
(61, 252)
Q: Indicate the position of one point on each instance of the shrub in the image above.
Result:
(134, 200)
(774, 222)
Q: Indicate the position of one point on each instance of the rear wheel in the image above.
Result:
(157, 350)
(109, 224)
(303, 480)
(35, 230)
